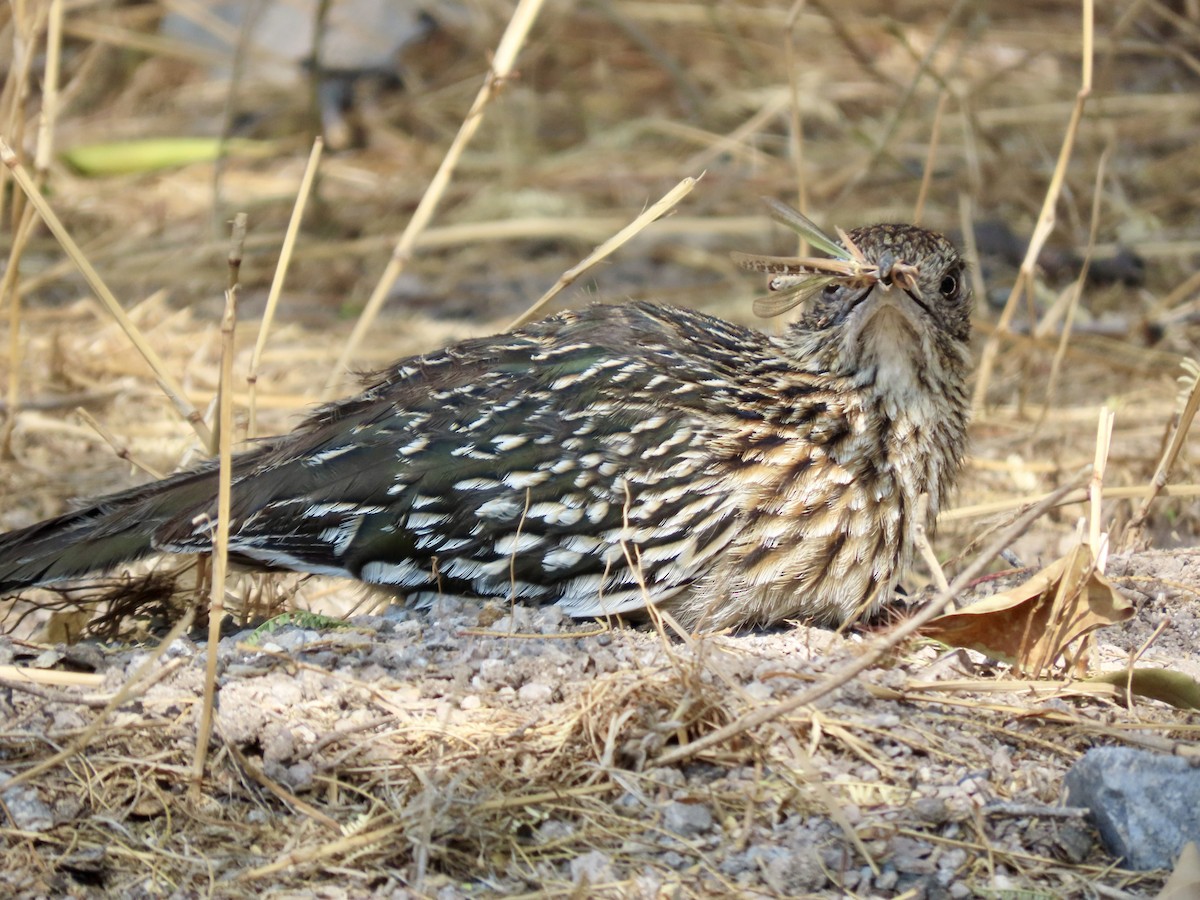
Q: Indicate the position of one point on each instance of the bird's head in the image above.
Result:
(890, 300)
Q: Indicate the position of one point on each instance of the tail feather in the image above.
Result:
(116, 529)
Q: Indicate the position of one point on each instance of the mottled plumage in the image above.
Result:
(604, 459)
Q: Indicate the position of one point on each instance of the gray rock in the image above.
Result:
(28, 811)
(795, 872)
(1145, 805)
(687, 819)
(535, 693)
(592, 868)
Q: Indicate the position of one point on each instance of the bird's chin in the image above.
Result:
(889, 316)
(886, 341)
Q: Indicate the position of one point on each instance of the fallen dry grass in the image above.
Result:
(372, 774)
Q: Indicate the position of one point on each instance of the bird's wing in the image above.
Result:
(507, 467)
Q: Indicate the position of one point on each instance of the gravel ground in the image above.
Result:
(471, 751)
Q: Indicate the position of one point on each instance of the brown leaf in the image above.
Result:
(1032, 625)
(1185, 880)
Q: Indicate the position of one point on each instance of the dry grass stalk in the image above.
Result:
(281, 267)
(1046, 218)
(930, 158)
(166, 381)
(1073, 295)
(900, 110)
(651, 215)
(281, 792)
(502, 63)
(50, 85)
(25, 674)
(24, 229)
(1098, 540)
(220, 557)
(1132, 492)
(926, 549)
(796, 116)
(1162, 472)
(737, 140)
(105, 33)
(10, 290)
(141, 680)
(119, 449)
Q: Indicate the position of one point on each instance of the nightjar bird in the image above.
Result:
(610, 459)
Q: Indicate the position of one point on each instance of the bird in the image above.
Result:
(612, 460)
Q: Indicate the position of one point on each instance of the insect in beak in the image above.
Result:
(797, 279)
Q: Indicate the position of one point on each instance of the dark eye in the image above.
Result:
(949, 285)
(830, 290)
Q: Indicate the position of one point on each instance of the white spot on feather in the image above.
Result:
(508, 544)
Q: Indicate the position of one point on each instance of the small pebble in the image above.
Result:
(535, 693)
(592, 868)
(26, 809)
(687, 819)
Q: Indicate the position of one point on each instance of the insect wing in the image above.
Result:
(789, 291)
(806, 228)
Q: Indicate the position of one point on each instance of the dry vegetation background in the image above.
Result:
(480, 785)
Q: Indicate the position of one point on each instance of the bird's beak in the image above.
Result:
(896, 272)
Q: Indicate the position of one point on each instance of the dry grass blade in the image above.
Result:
(220, 559)
(1135, 492)
(325, 851)
(1162, 472)
(285, 256)
(120, 449)
(136, 683)
(1046, 326)
(10, 290)
(279, 791)
(930, 158)
(44, 148)
(1046, 218)
(900, 108)
(1096, 539)
(24, 674)
(502, 64)
(668, 202)
(166, 381)
(925, 548)
(50, 85)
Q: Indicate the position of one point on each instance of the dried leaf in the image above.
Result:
(1032, 625)
(1185, 880)
(1179, 690)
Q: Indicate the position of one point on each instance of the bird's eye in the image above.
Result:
(949, 285)
(830, 290)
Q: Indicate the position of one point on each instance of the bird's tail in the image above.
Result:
(109, 531)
